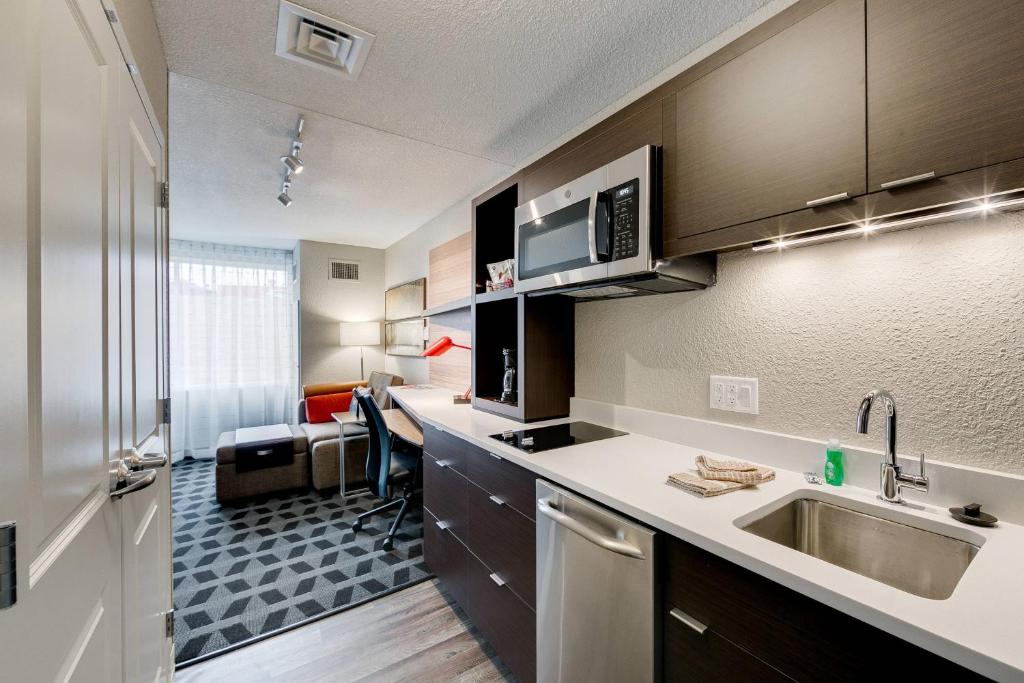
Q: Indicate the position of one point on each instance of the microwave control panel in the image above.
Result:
(625, 220)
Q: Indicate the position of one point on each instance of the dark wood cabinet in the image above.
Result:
(777, 127)
(945, 86)
(787, 632)
(642, 128)
(480, 545)
(709, 658)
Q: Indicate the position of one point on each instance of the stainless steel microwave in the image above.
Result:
(589, 229)
(599, 236)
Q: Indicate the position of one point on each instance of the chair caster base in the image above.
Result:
(388, 544)
(356, 526)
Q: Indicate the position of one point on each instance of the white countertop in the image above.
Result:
(981, 626)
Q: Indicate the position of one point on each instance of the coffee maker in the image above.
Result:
(508, 382)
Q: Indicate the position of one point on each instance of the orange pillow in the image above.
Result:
(319, 408)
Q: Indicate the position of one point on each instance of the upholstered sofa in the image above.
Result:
(323, 437)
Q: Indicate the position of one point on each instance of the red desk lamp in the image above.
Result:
(441, 347)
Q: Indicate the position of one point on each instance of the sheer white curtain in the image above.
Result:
(233, 342)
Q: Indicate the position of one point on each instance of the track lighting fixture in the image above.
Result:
(293, 164)
(285, 186)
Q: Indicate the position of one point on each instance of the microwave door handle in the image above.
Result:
(595, 255)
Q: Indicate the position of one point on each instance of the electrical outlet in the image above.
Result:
(735, 394)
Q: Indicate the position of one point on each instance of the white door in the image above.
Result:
(147, 535)
(61, 367)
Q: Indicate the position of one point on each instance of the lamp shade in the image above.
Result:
(359, 334)
(441, 347)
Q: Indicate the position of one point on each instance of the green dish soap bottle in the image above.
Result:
(834, 463)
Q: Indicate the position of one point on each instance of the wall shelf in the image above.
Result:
(500, 295)
(457, 305)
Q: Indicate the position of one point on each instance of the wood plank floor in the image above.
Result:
(412, 635)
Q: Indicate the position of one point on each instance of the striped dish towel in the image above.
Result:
(704, 488)
(733, 470)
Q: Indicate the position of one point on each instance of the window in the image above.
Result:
(233, 342)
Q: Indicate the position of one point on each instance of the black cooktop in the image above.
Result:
(556, 436)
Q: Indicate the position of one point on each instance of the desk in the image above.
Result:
(398, 423)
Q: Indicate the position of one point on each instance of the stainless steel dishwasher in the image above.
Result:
(595, 592)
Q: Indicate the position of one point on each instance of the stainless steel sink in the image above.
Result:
(914, 560)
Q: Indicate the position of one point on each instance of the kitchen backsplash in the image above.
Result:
(934, 314)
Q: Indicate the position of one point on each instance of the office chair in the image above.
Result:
(390, 462)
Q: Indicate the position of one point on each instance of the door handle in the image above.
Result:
(595, 255)
(909, 180)
(137, 462)
(615, 545)
(135, 481)
(821, 201)
(681, 616)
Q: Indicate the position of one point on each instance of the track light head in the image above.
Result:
(293, 162)
(284, 198)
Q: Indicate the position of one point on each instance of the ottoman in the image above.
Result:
(237, 479)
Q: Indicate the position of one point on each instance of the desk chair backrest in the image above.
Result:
(378, 459)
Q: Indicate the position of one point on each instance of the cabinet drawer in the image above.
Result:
(444, 494)
(504, 540)
(453, 450)
(513, 484)
(698, 657)
(446, 558)
(785, 629)
(507, 623)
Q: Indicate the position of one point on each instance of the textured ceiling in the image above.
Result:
(496, 81)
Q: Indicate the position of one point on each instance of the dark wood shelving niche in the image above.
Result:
(540, 329)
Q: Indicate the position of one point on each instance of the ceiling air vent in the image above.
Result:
(312, 38)
(344, 270)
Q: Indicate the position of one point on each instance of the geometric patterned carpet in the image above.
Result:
(270, 563)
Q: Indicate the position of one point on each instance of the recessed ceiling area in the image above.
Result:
(451, 96)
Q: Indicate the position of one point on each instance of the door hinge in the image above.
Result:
(165, 195)
(165, 410)
(111, 15)
(8, 565)
(169, 624)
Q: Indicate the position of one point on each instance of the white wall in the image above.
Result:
(324, 303)
(934, 314)
(408, 259)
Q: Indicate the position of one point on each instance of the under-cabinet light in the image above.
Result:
(985, 206)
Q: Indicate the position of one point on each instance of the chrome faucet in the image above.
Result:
(891, 479)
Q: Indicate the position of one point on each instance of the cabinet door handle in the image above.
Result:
(494, 455)
(909, 180)
(680, 615)
(496, 500)
(441, 463)
(829, 199)
(497, 579)
(442, 525)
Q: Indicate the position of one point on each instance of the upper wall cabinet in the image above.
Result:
(642, 128)
(778, 128)
(945, 87)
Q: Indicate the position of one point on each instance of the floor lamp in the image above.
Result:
(361, 335)
(441, 347)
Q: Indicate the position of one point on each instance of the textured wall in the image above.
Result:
(934, 314)
(324, 303)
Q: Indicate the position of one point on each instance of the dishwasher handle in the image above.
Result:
(615, 545)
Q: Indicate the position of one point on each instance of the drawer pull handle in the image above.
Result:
(441, 463)
(829, 199)
(496, 500)
(497, 579)
(909, 180)
(681, 616)
(442, 525)
(494, 455)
